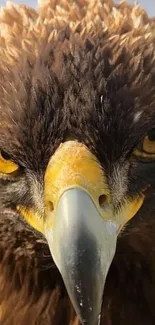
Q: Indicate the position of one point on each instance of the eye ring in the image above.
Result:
(5, 155)
(149, 146)
(146, 148)
(7, 166)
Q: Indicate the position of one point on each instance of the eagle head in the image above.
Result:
(77, 132)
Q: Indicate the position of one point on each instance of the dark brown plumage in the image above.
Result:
(84, 71)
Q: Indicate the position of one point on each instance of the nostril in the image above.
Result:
(50, 206)
(102, 200)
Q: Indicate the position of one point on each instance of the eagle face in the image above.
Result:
(77, 151)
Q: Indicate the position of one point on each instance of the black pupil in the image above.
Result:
(5, 155)
(151, 134)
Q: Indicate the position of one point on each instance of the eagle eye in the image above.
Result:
(146, 148)
(7, 166)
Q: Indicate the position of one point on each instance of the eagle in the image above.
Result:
(77, 164)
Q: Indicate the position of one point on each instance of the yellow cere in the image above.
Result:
(73, 165)
(129, 209)
(7, 166)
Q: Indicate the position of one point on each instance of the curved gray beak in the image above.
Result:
(82, 244)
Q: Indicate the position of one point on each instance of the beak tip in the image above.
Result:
(90, 320)
(86, 297)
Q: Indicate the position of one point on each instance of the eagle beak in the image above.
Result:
(82, 245)
(80, 226)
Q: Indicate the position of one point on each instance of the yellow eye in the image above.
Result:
(6, 165)
(146, 149)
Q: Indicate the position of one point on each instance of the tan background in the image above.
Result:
(149, 5)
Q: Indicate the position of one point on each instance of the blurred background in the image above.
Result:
(149, 5)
